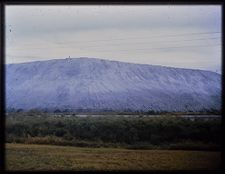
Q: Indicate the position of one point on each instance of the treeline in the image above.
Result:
(108, 112)
(132, 131)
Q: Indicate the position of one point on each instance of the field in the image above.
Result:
(46, 141)
(32, 157)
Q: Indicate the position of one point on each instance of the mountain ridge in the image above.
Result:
(101, 59)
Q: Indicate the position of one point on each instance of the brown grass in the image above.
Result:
(49, 157)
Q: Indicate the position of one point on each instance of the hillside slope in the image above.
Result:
(95, 84)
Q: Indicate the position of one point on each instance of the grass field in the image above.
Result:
(51, 157)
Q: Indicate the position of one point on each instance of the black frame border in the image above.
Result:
(5, 3)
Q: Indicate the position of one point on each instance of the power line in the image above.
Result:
(159, 41)
(172, 35)
(213, 38)
(157, 36)
(164, 47)
(135, 49)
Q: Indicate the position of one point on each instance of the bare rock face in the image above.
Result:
(95, 84)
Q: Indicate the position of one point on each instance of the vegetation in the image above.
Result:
(112, 112)
(133, 132)
(49, 157)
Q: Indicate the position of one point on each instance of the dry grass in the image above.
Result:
(49, 157)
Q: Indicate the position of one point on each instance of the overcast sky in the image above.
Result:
(169, 35)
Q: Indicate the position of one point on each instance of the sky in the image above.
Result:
(169, 35)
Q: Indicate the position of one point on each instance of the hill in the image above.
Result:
(99, 85)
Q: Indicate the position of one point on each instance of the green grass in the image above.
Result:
(32, 157)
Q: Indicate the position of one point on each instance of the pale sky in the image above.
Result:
(169, 35)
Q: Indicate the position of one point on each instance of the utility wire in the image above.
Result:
(157, 36)
(135, 49)
(172, 35)
(132, 43)
(162, 48)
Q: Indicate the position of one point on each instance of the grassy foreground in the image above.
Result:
(51, 157)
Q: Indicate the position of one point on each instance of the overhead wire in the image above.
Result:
(132, 43)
